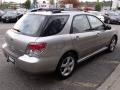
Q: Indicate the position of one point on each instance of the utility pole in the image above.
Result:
(56, 3)
(34, 3)
(104, 2)
(111, 5)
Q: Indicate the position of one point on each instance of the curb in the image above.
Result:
(110, 81)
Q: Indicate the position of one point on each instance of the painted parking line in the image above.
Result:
(109, 61)
(81, 84)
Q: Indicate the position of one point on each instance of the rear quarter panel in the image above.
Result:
(56, 46)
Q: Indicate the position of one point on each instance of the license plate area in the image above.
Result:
(7, 19)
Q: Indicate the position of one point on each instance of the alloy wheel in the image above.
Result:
(67, 66)
(112, 44)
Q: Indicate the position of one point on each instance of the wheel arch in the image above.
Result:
(69, 51)
(115, 36)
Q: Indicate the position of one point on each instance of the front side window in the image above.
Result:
(55, 25)
(95, 23)
(80, 24)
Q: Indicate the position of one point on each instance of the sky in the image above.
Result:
(21, 1)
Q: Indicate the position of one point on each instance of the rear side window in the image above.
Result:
(55, 25)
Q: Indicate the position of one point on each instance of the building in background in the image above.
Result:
(13, 5)
(43, 3)
(115, 4)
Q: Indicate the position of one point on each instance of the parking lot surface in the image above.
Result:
(88, 76)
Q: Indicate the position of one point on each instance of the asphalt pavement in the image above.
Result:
(112, 82)
(89, 75)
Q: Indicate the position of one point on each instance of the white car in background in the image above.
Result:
(98, 14)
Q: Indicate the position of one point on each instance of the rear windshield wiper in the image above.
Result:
(17, 30)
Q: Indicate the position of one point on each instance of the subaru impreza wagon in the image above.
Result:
(56, 41)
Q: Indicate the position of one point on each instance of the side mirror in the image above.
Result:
(107, 27)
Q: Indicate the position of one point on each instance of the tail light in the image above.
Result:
(34, 49)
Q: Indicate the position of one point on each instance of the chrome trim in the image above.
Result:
(94, 53)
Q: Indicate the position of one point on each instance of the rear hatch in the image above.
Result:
(26, 30)
(17, 43)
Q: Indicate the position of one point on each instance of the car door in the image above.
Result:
(103, 35)
(83, 38)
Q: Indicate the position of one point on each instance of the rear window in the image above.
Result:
(54, 25)
(29, 24)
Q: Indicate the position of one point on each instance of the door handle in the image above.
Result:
(98, 34)
(77, 37)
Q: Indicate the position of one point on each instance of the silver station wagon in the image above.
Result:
(46, 41)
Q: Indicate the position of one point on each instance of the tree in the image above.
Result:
(74, 2)
(98, 6)
(52, 2)
(34, 3)
(27, 4)
(61, 3)
(111, 5)
(5, 5)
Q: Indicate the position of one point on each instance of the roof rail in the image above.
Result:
(35, 10)
(52, 10)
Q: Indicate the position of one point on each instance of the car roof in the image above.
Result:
(61, 13)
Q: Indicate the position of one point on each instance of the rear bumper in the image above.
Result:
(32, 64)
(35, 65)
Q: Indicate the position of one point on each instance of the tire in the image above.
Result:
(112, 44)
(66, 66)
(17, 19)
(108, 21)
(4, 21)
(118, 23)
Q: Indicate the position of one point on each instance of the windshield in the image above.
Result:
(11, 14)
(29, 24)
